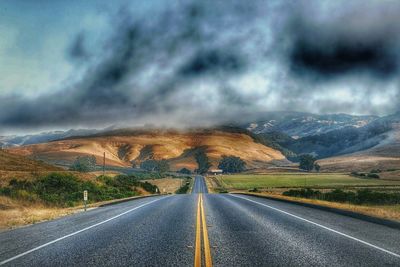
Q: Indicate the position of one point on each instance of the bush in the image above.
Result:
(62, 189)
(373, 175)
(376, 171)
(306, 193)
(183, 189)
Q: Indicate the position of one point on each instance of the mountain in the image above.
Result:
(341, 141)
(384, 156)
(297, 125)
(124, 146)
(20, 140)
(322, 135)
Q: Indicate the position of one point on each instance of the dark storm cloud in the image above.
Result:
(119, 88)
(77, 49)
(209, 61)
(212, 62)
(361, 36)
(330, 50)
(341, 57)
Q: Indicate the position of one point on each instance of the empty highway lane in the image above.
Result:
(201, 229)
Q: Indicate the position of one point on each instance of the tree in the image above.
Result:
(307, 162)
(84, 164)
(317, 167)
(149, 165)
(232, 164)
(185, 171)
(160, 166)
(202, 161)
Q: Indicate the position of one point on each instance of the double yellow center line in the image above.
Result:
(202, 225)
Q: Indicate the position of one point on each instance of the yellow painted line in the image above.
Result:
(207, 251)
(197, 255)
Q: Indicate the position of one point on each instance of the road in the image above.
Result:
(201, 229)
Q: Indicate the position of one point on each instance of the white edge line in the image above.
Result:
(77, 232)
(322, 226)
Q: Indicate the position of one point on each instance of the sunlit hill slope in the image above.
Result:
(124, 147)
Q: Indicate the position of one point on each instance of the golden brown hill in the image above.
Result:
(13, 162)
(178, 147)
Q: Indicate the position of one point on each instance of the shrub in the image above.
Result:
(254, 190)
(183, 189)
(306, 193)
(375, 171)
(364, 196)
(373, 175)
(62, 189)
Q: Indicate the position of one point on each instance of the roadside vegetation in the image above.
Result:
(184, 188)
(65, 190)
(363, 196)
(295, 180)
(357, 192)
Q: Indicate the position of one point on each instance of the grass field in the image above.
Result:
(289, 180)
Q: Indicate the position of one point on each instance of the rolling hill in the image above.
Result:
(384, 156)
(11, 162)
(122, 147)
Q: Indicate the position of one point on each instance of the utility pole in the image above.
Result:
(104, 163)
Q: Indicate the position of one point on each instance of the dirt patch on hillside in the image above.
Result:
(167, 185)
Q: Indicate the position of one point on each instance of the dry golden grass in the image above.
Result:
(15, 213)
(171, 145)
(13, 162)
(391, 212)
(359, 162)
(211, 183)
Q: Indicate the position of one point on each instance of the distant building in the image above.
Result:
(216, 171)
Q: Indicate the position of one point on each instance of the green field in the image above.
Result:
(320, 180)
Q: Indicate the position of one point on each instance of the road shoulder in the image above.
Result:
(328, 206)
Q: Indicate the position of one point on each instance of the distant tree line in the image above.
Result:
(231, 164)
(160, 166)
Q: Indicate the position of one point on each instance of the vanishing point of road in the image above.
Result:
(202, 229)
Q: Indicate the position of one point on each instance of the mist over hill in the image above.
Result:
(289, 133)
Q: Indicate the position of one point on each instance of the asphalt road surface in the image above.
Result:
(202, 229)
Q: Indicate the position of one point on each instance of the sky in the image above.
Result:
(74, 64)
